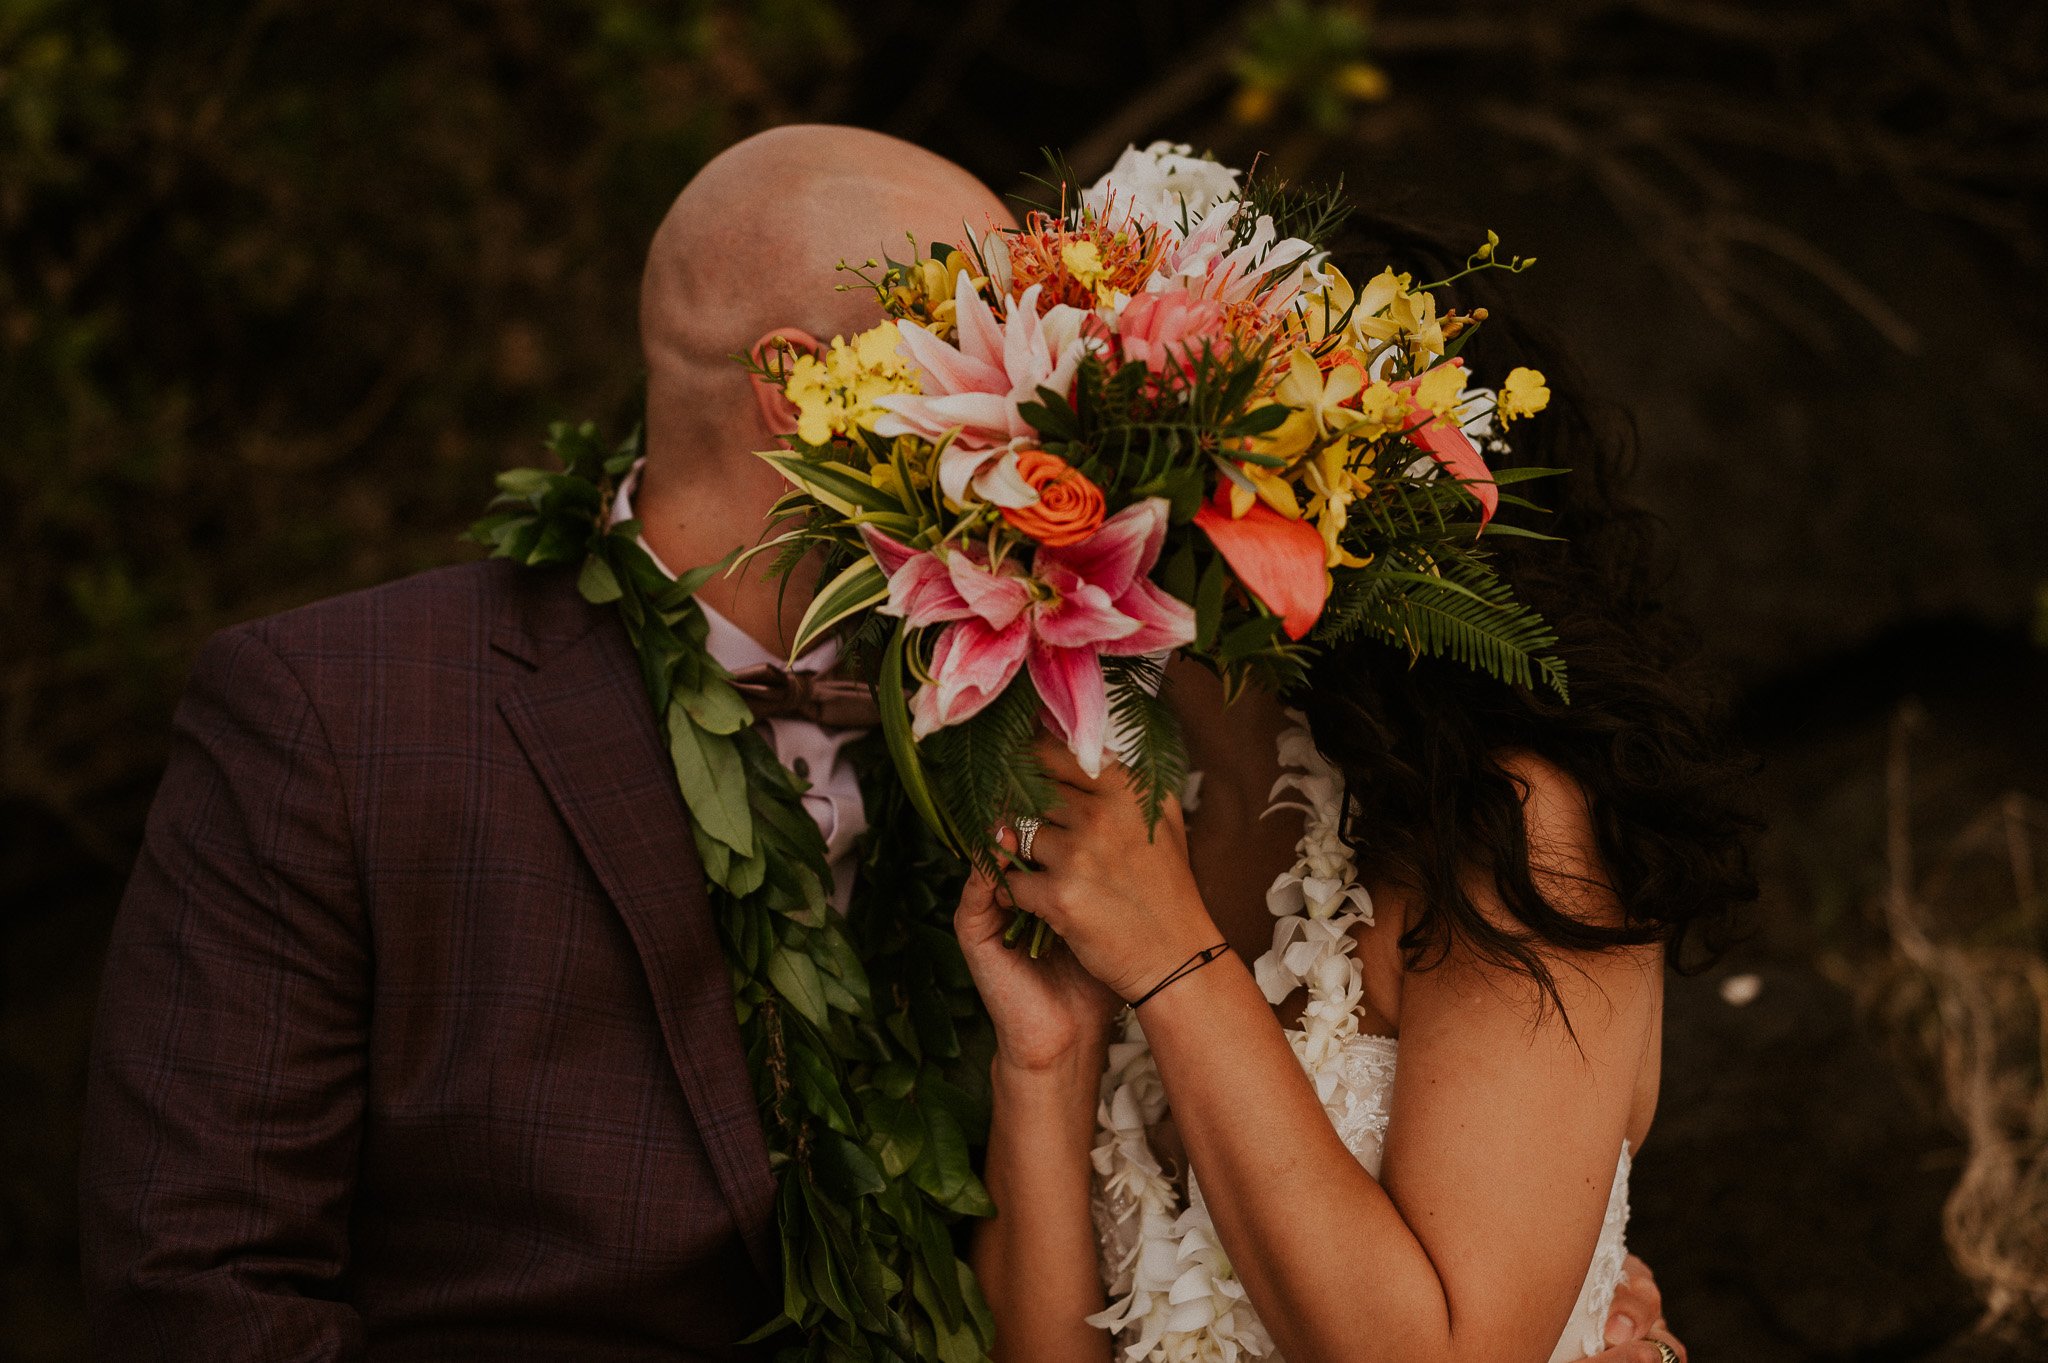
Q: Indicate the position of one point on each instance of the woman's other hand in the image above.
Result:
(1048, 1013)
(1121, 896)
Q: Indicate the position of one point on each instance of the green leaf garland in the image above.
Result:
(867, 1043)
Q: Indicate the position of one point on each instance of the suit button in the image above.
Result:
(802, 768)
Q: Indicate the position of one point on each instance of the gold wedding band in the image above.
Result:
(1027, 834)
(1670, 1355)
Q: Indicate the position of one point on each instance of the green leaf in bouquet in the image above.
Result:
(1503, 528)
(1508, 477)
(1258, 420)
(861, 585)
(985, 771)
(1248, 637)
(1052, 416)
(1209, 603)
(844, 489)
(903, 753)
(1177, 574)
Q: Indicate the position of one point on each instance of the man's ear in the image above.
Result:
(773, 352)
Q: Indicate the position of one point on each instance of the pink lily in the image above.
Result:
(1078, 603)
(973, 390)
(1207, 265)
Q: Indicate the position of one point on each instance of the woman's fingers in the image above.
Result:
(1061, 764)
(1637, 1302)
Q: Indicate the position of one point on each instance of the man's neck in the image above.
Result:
(700, 520)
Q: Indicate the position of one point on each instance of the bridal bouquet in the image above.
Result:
(1155, 419)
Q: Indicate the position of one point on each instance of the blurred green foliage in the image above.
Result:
(282, 285)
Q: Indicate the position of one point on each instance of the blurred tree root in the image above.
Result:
(1964, 990)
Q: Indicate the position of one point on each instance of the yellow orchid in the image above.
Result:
(1333, 486)
(1267, 485)
(1381, 408)
(1308, 390)
(834, 392)
(1524, 393)
(1440, 389)
(1391, 309)
(925, 290)
(1315, 404)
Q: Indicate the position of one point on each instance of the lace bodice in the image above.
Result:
(1173, 1295)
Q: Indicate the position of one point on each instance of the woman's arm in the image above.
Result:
(1036, 1258)
(1505, 1129)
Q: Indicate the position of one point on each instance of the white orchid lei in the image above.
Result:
(1173, 1294)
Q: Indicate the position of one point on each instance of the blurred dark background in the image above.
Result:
(284, 284)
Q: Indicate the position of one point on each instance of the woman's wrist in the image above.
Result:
(1192, 991)
(1078, 1068)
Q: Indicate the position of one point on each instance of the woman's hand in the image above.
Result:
(1049, 1013)
(1121, 897)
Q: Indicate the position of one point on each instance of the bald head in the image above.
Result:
(752, 246)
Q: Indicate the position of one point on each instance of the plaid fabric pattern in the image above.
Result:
(415, 1040)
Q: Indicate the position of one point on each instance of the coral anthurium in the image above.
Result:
(1280, 561)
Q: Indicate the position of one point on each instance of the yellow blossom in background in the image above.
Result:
(1362, 81)
(1254, 104)
(1523, 394)
(834, 393)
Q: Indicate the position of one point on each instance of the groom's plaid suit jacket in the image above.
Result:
(415, 1039)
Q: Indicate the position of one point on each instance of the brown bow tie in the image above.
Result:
(773, 692)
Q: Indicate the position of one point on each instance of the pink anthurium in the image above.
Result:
(1446, 442)
(1279, 560)
(1079, 603)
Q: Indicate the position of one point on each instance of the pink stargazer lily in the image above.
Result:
(973, 389)
(1078, 603)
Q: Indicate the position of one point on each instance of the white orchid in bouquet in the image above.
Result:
(1155, 419)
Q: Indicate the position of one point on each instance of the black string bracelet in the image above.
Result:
(1188, 967)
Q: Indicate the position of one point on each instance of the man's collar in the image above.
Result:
(733, 647)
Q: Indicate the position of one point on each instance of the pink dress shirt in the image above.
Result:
(815, 753)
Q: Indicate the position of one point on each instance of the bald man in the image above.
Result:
(416, 1040)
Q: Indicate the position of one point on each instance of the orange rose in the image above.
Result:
(1069, 507)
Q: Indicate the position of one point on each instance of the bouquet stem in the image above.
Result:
(1040, 933)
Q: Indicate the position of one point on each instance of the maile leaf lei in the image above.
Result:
(868, 1047)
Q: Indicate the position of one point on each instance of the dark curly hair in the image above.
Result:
(1423, 745)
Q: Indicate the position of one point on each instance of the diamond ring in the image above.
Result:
(1027, 833)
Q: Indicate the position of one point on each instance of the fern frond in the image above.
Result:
(984, 770)
(1146, 733)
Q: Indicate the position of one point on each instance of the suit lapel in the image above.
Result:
(586, 725)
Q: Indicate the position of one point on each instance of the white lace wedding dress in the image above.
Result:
(1172, 1293)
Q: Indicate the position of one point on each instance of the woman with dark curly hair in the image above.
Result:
(1402, 860)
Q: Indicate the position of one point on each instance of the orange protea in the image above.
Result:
(1081, 266)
